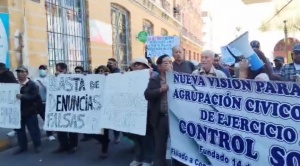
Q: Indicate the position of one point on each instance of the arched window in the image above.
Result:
(164, 32)
(148, 27)
(66, 30)
(121, 35)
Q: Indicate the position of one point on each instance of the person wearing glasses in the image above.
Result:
(68, 142)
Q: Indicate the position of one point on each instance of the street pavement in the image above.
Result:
(88, 154)
(6, 142)
(3, 133)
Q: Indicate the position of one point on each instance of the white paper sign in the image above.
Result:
(124, 106)
(159, 45)
(74, 103)
(10, 113)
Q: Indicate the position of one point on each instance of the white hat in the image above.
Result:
(140, 60)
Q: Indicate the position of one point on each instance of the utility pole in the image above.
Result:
(286, 43)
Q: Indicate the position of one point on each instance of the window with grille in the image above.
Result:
(121, 35)
(66, 31)
(148, 27)
(164, 32)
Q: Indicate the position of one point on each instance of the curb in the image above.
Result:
(5, 144)
(11, 142)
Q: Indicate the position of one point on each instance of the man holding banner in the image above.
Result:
(67, 141)
(143, 149)
(156, 94)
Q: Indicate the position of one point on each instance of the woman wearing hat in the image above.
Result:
(143, 150)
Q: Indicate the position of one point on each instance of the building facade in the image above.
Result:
(207, 30)
(255, 1)
(191, 33)
(87, 33)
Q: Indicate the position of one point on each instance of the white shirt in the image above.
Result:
(297, 66)
(262, 77)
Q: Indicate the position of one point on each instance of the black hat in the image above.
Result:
(255, 44)
(2, 66)
(43, 67)
(279, 58)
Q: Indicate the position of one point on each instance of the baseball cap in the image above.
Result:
(2, 66)
(22, 68)
(296, 47)
(279, 58)
(43, 67)
(140, 60)
(255, 44)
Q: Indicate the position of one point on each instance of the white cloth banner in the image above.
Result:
(74, 103)
(124, 106)
(233, 122)
(10, 112)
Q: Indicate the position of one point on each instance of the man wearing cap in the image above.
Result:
(42, 82)
(279, 60)
(143, 150)
(291, 72)
(30, 103)
(255, 44)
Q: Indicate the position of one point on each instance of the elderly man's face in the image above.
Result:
(177, 53)
(206, 61)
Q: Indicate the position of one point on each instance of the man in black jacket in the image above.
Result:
(30, 102)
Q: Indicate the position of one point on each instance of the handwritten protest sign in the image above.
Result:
(74, 103)
(10, 113)
(233, 122)
(124, 106)
(159, 45)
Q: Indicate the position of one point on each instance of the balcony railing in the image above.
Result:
(166, 5)
(192, 37)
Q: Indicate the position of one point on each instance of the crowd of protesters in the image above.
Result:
(151, 148)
